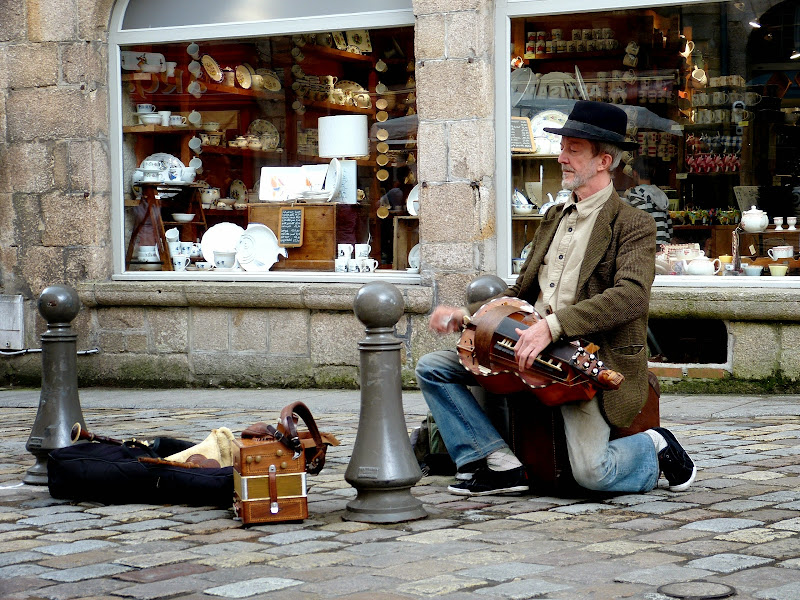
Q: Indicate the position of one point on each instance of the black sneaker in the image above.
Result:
(467, 471)
(675, 463)
(486, 482)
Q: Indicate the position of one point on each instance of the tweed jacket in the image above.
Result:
(612, 299)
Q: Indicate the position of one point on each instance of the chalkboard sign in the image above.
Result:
(522, 135)
(291, 230)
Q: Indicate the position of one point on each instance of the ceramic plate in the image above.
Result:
(520, 82)
(222, 237)
(272, 82)
(333, 179)
(582, 91)
(244, 77)
(339, 40)
(168, 159)
(360, 39)
(130, 60)
(548, 118)
(212, 68)
(238, 190)
(269, 135)
(412, 203)
(413, 257)
(347, 85)
(258, 248)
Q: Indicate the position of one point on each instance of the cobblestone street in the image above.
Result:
(736, 528)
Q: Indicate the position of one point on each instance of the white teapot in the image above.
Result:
(702, 266)
(754, 220)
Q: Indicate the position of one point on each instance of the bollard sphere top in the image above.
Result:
(379, 304)
(59, 304)
(484, 287)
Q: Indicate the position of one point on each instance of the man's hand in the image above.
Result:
(532, 341)
(447, 319)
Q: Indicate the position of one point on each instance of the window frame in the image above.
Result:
(119, 37)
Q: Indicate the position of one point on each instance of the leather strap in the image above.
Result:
(317, 461)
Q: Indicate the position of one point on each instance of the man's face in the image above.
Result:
(578, 165)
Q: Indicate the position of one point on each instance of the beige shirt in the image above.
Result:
(558, 275)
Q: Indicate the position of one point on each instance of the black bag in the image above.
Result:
(430, 450)
(112, 474)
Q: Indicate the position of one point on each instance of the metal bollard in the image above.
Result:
(59, 405)
(382, 468)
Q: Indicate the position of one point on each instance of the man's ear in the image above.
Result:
(605, 162)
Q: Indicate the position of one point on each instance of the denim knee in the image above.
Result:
(591, 476)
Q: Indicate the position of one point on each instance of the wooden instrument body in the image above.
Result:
(564, 372)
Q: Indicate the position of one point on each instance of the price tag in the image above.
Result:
(676, 127)
(752, 250)
(681, 175)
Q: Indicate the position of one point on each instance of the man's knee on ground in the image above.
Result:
(591, 476)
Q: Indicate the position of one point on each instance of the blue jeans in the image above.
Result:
(628, 464)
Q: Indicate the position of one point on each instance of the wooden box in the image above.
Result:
(324, 226)
(269, 482)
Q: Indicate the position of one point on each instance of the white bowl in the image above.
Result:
(211, 126)
(523, 209)
(226, 201)
(183, 217)
(150, 118)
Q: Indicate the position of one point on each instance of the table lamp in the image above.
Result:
(344, 136)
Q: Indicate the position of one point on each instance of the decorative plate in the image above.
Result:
(412, 203)
(526, 250)
(339, 40)
(223, 237)
(353, 49)
(548, 118)
(520, 83)
(258, 248)
(167, 159)
(244, 76)
(238, 190)
(333, 179)
(360, 39)
(270, 138)
(272, 82)
(413, 257)
(212, 68)
(348, 85)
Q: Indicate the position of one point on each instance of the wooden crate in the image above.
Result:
(324, 226)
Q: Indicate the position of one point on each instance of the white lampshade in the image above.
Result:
(341, 136)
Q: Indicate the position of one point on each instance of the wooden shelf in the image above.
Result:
(243, 152)
(158, 129)
(212, 86)
(337, 108)
(533, 155)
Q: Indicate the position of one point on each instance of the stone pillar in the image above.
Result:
(59, 405)
(382, 468)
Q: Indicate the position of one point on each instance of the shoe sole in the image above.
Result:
(685, 485)
(509, 490)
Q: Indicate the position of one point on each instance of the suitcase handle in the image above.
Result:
(315, 463)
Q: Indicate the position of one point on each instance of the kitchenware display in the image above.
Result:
(521, 81)
(212, 68)
(266, 131)
(238, 190)
(258, 248)
(412, 203)
(413, 257)
(222, 237)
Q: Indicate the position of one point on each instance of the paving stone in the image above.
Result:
(778, 549)
(244, 589)
(527, 588)
(90, 589)
(754, 535)
(657, 576)
(228, 547)
(728, 563)
(55, 518)
(306, 547)
(153, 535)
(368, 535)
(723, 525)
(661, 507)
(237, 559)
(790, 591)
(505, 571)
(146, 525)
(292, 537)
(145, 561)
(440, 585)
(203, 516)
(163, 572)
(85, 572)
(438, 536)
(75, 547)
(15, 558)
(164, 589)
(22, 570)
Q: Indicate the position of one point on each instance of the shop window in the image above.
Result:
(711, 101)
(224, 148)
(705, 341)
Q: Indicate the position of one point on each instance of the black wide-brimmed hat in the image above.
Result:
(596, 121)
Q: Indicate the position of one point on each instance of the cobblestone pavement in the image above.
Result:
(737, 526)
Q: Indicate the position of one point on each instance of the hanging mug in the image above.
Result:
(630, 60)
(698, 79)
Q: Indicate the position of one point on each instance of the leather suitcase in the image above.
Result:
(269, 482)
(536, 435)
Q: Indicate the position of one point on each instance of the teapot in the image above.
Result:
(702, 265)
(754, 220)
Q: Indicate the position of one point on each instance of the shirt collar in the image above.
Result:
(591, 203)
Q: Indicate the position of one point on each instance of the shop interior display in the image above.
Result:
(227, 131)
(713, 109)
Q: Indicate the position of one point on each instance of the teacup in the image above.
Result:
(780, 252)
(209, 194)
(147, 253)
(367, 265)
(180, 262)
(202, 265)
(778, 270)
(145, 108)
(151, 165)
(177, 120)
(224, 260)
(188, 174)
